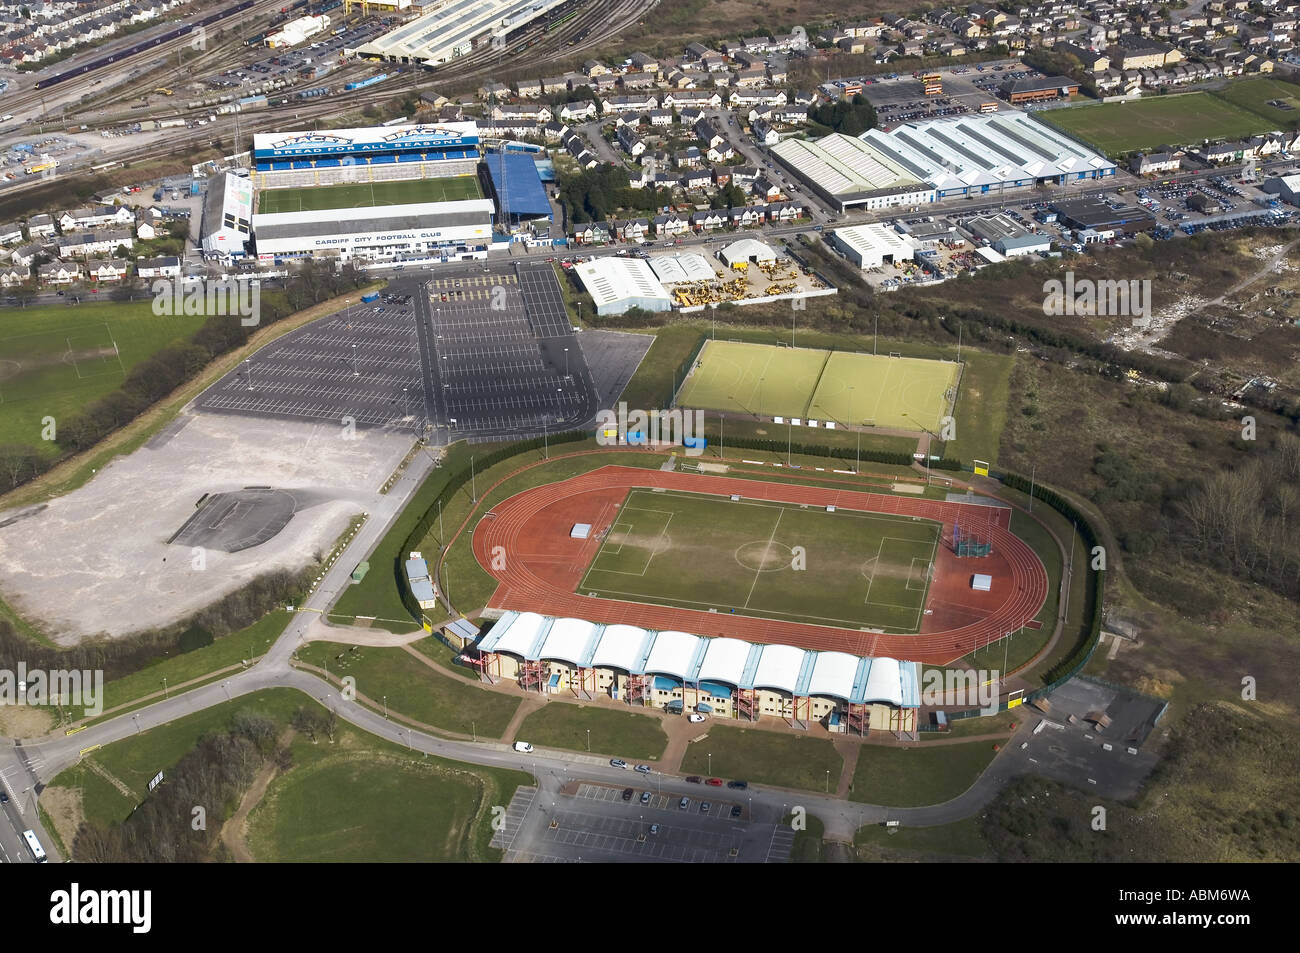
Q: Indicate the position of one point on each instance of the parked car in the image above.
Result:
(645, 797)
(735, 810)
(616, 763)
(695, 719)
(627, 794)
(704, 807)
(523, 746)
(642, 769)
(683, 804)
(739, 785)
(714, 782)
(694, 779)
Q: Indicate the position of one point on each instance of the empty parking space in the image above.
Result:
(506, 359)
(360, 367)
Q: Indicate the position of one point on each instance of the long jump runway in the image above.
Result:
(543, 566)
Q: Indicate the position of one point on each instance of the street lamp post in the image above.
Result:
(385, 708)
(164, 686)
(589, 739)
(473, 482)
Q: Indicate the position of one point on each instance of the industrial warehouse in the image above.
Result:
(455, 30)
(724, 677)
(976, 155)
(920, 162)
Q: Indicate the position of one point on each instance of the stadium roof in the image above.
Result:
(844, 166)
(674, 269)
(611, 280)
(973, 151)
(518, 186)
(423, 216)
(302, 142)
(694, 659)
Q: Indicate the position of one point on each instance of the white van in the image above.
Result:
(523, 746)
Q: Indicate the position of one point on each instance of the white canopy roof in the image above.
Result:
(620, 647)
(568, 640)
(883, 683)
(833, 674)
(724, 661)
(779, 667)
(672, 654)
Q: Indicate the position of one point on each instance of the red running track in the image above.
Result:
(543, 566)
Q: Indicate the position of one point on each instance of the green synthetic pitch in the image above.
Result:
(366, 194)
(768, 560)
(842, 387)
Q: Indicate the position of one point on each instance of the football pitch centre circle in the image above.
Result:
(928, 591)
(765, 555)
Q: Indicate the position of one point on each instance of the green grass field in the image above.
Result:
(622, 734)
(843, 387)
(916, 777)
(703, 552)
(1259, 93)
(55, 360)
(1118, 128)
(449, 189)
(766, 757)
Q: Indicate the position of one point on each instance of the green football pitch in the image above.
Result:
(843, 387)
(1117, 128)
(769, 560)
(365, 194)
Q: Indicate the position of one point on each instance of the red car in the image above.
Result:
(714, 782)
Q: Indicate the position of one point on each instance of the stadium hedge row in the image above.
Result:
(1067, 668)
(839, 453)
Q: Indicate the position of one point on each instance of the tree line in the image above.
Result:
(213, 776)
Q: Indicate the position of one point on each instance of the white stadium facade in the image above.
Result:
(426, 230)
(724, 677)
(938, 159)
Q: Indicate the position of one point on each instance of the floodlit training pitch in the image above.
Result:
(367, 194)
(842, 387)
(768, 560)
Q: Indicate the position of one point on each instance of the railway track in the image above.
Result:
(602, 20)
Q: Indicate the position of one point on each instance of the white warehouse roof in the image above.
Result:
(747, 249)
(449, 30)
(694, 659)
(843, 165)
(972, 151)
(876, 240)
(674, 269)
(617, 284)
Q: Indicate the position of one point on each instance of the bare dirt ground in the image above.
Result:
(25, 721)
(97, 561)
(63, 808)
